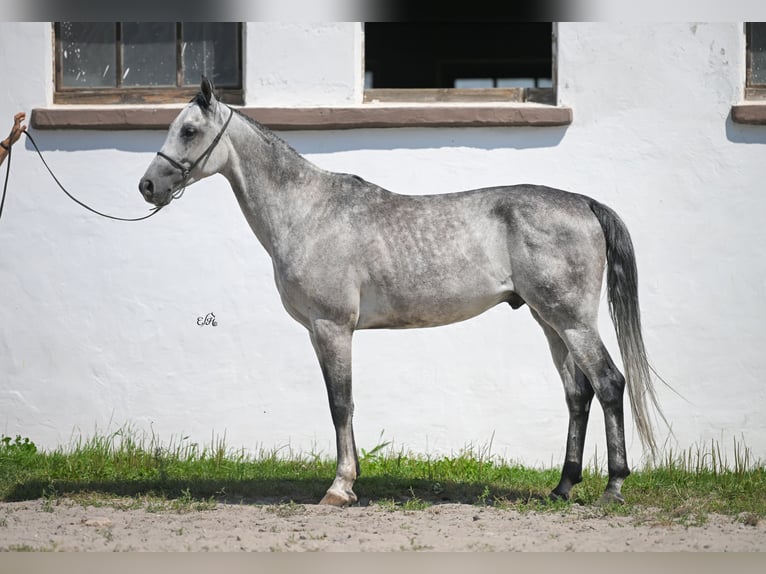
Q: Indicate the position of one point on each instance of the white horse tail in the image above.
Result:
(622, 291)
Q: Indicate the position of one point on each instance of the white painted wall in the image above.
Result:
(303, 64)
(98, 318)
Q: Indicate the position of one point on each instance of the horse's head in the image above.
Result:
(191, 151)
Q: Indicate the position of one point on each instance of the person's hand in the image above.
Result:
(16, 131)
(18, 128)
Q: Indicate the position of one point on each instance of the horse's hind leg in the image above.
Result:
(332, 344)
(590, 355)
(579, 394)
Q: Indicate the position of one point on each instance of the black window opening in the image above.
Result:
(459, 61)
(145, 62)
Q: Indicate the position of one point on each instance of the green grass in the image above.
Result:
(132, 471)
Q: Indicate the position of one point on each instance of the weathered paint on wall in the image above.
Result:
(98, 319)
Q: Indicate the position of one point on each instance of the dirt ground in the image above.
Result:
(65, 525)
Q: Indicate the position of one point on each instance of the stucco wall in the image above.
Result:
(98, 319)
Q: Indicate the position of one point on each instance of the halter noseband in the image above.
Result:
(186, 171)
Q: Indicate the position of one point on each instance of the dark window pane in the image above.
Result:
(210, 49)
(447, 55)
(758, 52)
(88, 54)
(149, 54)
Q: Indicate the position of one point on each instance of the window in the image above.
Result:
(145, 62)
(459, 61)
(753, 109)
(482, 66)
(755, 86)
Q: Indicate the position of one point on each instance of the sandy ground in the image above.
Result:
(65, 525)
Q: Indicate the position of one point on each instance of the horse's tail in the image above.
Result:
(622, 291)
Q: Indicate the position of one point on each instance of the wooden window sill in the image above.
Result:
(753, 113)
(372, 115)
(140, 96)
(463, 95)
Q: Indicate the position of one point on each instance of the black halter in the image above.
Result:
(186, 171)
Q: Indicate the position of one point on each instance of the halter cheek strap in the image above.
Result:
(186, 171)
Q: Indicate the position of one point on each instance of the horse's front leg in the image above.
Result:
(332, 343)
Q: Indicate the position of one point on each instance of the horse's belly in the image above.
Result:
(379, 309)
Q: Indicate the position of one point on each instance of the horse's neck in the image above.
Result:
(275, 186)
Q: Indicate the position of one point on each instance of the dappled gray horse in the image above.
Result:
(350, 255)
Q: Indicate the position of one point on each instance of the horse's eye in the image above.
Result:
(188, 131)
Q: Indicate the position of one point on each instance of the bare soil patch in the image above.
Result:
(67, 525)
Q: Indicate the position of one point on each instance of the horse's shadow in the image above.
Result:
(265, 491)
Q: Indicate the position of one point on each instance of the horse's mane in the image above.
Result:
(266, 133)
(269, 136)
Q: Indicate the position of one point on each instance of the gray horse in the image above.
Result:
(348, 254)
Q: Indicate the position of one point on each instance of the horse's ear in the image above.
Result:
(207, 89)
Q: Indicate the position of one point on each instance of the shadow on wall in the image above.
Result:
(317, 142)
(320, 141)
(89, 140)
(744, 133)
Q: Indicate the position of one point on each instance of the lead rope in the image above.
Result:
(69, 195)
(7, 173)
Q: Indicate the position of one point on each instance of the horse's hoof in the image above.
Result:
(334, 498)
(558, 496)
(610, 498)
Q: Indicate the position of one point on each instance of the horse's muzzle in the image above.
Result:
(146, 187)
(149, 191)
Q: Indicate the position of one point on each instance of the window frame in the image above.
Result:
(139, 95)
